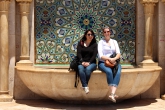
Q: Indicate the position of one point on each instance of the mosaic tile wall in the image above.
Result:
(59, 25)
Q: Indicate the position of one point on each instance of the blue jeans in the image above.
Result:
(85, 73)
(112, 81)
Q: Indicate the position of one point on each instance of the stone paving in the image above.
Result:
(131, 104)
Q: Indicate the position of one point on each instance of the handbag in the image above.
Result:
(108, 63)
(74, 64)
(74, 67)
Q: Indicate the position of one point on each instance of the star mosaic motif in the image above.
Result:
(86, 19)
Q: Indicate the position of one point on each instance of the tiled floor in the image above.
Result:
(131, 104)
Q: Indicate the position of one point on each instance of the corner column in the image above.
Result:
(24, 11)
(148, 51)
(4, 52)
(163, 96)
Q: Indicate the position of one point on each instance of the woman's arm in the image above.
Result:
(117, 50)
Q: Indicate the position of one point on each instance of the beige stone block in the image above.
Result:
(23, 92)
(11, 18)
(140, 9)
(153, 91)
(11, 80)
(18, 36)
(162, 75)
(139, 59)
(155, 48)
(6, 98)
(11, 63)
(162, 84)
(162, 62)
(31, 32)
(140, 48)
(140, 28)
(161, 8)
(161, 24)
(18, 25)
(140, 33)
(161, 47)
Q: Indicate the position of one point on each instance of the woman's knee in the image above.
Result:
(88, 71)
(91, 67)
(107, 70)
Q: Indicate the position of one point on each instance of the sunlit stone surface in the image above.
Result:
(58, 84)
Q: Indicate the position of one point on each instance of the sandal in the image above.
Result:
(112, 97)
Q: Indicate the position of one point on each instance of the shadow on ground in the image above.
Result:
(51, 104)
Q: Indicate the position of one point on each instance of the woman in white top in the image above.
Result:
(107, 47)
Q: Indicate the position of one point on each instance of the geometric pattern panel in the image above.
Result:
(60, 24)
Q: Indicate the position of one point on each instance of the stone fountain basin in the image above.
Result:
(58, 84)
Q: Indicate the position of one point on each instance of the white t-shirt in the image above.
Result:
(105, 50)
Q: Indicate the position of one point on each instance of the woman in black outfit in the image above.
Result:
(87, 52)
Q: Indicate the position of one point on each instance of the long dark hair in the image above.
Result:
(84, 37)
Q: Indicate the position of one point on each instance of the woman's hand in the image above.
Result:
(85, 64)
(112, 60)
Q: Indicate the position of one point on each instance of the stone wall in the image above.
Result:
(12, 49)
(161, 44)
